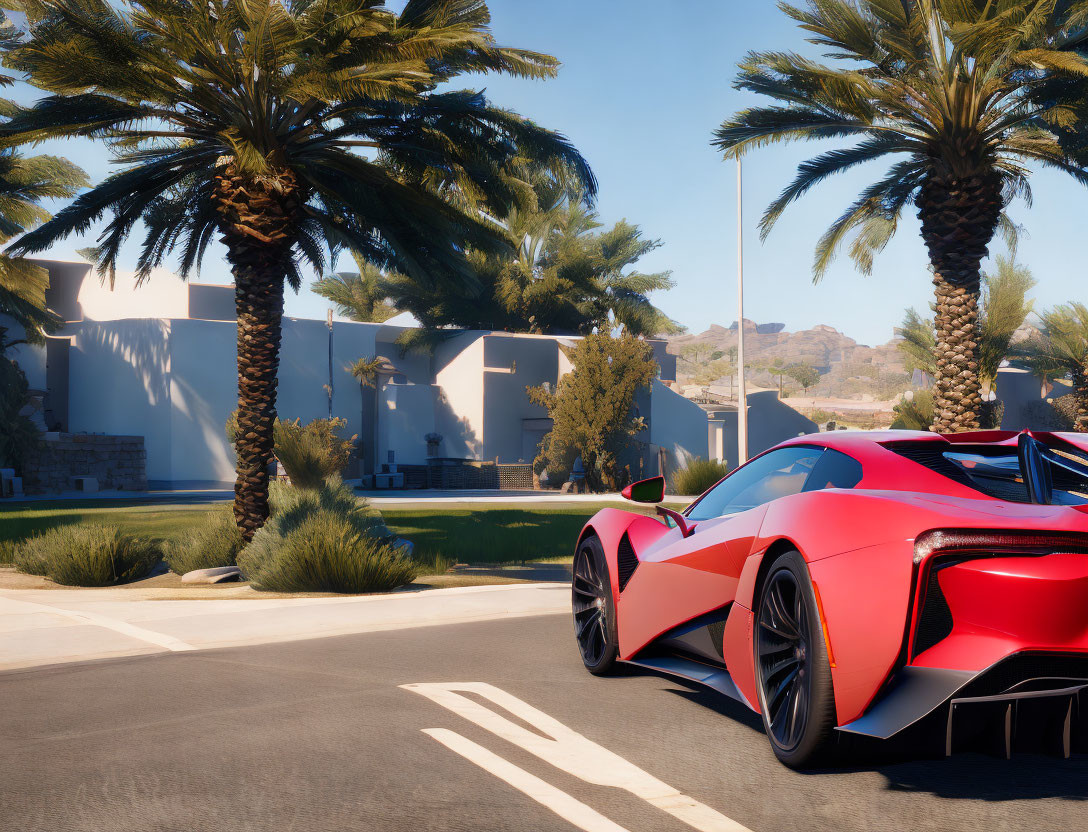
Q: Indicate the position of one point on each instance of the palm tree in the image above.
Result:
(360, 296)
(1003, 308)
(284, 127)
(1062, 349)
(941, 86)
(25, 181)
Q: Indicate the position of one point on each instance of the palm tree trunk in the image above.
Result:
(959, 217)
(258, 220)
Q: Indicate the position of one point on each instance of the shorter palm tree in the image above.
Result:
(25, 181)
(1061, 349)
(361, 296)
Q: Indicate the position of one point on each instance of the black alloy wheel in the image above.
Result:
(594, 612)
(784, 650)
(794, 674)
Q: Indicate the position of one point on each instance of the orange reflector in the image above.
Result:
(823, 621)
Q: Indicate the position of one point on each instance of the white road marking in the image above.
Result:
(570, 751)
(11, 605)
(547, 795)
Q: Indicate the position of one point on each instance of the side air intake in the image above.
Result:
(627, 562)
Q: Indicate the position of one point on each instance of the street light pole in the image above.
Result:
(742, 397)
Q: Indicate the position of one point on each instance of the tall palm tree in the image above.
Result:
(283, 126)
(941, 87)
(1062, 349)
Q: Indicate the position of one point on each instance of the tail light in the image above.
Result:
(931, 619)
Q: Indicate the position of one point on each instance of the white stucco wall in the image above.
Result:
(677, 425)
(162, 295)
(119, 384)
(459, 413)
(407, 416)
(513, 363)
(203, 393)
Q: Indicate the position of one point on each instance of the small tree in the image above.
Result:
(591, 409)
(804, 374)
(776, 369)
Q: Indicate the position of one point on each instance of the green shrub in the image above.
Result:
(916, 414)
(697, 476)
(291, 505)
(324, 551)
(88, 555)
(216, 541)
(310, 453)
(324, 540)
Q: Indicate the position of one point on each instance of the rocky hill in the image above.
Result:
(847, 369)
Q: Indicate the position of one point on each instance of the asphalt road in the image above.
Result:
(318, 735)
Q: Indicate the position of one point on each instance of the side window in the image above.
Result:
(776, 474)
(834, 470)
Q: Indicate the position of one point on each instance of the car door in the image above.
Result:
(680, 578)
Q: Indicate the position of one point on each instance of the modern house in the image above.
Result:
(159, 362)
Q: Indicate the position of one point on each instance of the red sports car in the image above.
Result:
(863, 583)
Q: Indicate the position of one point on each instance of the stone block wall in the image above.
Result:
(119, 463)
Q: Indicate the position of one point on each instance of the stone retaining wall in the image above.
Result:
(119, 463)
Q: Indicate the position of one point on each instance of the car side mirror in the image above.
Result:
(645, 491)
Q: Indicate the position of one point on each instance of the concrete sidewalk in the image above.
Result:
(54, 626)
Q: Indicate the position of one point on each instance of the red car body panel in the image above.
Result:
(860, 546)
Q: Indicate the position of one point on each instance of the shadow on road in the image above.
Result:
(966, 776)
(978, 777)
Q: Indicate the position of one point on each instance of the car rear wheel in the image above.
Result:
(792, 668)
(594, 610)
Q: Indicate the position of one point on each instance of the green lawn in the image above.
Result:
(463, 533)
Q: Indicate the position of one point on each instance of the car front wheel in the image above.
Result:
(594, 610)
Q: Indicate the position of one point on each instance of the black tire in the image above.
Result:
(594, 609)
(793, 674)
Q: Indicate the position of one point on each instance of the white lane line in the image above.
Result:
(150, 636)
(547, 795)
(570, 751)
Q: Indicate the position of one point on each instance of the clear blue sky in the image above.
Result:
(642, 87)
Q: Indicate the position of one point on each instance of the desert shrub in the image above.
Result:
(916, 414)
(324, 551)
(312, 453)
(88, 555)
(214, 542)
(697, 476)
(7, 552)
(309, 453)
(291, 505)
